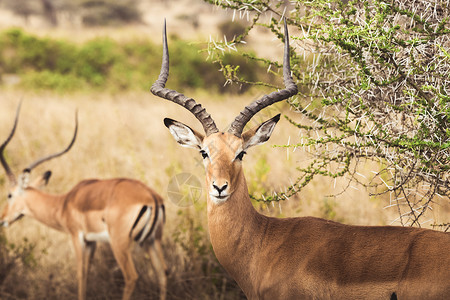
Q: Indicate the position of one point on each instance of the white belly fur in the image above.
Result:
(102, 236)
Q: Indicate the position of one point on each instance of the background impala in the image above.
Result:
(119, 211)
(299, 258)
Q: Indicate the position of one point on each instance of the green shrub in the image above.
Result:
(21, 52)
(96, 59)
(48, 80)
(14, 258)
(102, 63)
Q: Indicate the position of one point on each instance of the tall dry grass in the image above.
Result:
(124, 136)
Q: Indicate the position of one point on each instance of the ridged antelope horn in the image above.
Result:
(5, 165)
(158, 89)
(290, 90)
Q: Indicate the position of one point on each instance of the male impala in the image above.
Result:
(300, 258)
(116, 210)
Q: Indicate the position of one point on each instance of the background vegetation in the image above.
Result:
(106, 64)
(377, 89)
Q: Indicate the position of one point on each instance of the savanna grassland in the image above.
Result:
(121, 134)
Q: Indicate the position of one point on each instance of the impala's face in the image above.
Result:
(222, 154)
(16, 206)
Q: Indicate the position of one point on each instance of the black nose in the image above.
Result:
(220, 189)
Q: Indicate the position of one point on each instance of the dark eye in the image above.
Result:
(204, 154)
(9, 196)
(241, 155)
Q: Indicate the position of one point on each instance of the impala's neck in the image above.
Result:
(45, 208)
(234, 228)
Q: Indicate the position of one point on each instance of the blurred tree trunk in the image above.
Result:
(49, 12)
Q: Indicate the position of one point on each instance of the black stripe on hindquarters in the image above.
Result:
(153, 225)
(139, 237)
(141, 213)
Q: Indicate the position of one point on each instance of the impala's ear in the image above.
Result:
(42, 180)
(183, 134)
(261, 134)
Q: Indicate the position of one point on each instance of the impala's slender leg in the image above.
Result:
(88, 254)
(160, 251)
(159, 266)
(79, 245)
(123, 257)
